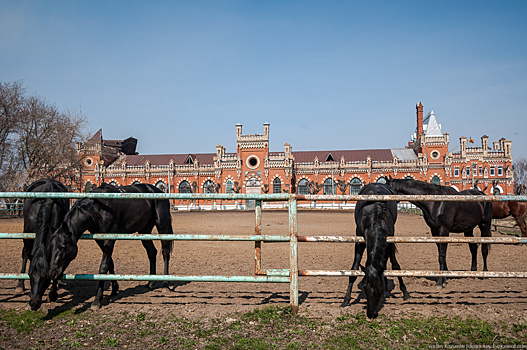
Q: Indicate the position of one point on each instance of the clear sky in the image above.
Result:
(178, 75)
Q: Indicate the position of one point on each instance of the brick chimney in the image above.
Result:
(419, 108)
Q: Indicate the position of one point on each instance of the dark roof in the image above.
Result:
(164, 159)
(96, 138)
(379, 155)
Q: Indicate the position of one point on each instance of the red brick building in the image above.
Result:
(252, 168)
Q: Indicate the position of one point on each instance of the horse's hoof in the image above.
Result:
(19, 290)
(151, 285)
(95, 307)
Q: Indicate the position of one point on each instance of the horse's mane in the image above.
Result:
(429, 188)
(86, 205)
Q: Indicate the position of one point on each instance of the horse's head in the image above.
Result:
(392, 182)
(63, 250)
(39, 279)
(374, 288)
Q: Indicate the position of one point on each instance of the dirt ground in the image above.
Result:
(320, 297)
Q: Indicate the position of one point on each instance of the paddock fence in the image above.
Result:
(262, 275)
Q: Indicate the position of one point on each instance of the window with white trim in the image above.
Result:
(184, 187)
(329, 186)
(277, 185)
(303, 187)
(229, 186)
(355, 185)
(162, 186)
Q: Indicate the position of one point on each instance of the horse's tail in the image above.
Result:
(379, 233)
(40, 258)
(170, 230)
(164, 222)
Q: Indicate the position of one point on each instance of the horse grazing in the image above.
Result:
(112, 216)
(446, 217)
(375, 221)
(41, 216)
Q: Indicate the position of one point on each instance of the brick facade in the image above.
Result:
(254, 169)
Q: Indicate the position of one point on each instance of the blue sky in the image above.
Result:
(178, 75)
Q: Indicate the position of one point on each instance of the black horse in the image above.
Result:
(446, 217)
(42, 216)
(375, 221)
(112, 216)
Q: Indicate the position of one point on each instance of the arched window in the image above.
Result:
(277, 185)
(88, 187)
(436, 180)
(113, 183)
(208, 187)
(136, 182)
(408, 178)
(381, 180)
(161, 185)
(303, 187)
(329, 186)
(184, 187)
(229, 187)
(355, 185)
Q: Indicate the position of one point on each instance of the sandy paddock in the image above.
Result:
(320, 297)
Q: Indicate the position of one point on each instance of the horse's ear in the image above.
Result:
(389, 177)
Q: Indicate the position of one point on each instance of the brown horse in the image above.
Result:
(518, 210)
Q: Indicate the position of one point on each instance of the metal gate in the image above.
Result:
(275, 275)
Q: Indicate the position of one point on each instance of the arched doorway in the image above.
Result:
(252, 186)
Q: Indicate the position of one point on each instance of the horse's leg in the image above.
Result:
(53, 295)
(26, 255)
(520, 219)
(441, 231)
(111, 270)
(107, 250)
(396, 266)
(359, 250)
(485, 247)
(151, 251)
(166, 249)
(473, 251)
(164, 226)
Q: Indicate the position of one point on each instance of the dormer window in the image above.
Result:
(189, 160)
(330, 158)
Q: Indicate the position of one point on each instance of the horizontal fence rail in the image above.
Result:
(275, 275)
(266, 197)
(279, 238)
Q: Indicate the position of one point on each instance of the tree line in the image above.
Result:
(37, 139)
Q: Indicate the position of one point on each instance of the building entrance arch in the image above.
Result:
(252, 186)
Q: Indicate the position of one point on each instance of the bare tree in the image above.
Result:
(38, 140)
(11, 102)
(520, 175)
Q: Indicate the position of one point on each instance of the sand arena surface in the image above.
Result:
(320, 297)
